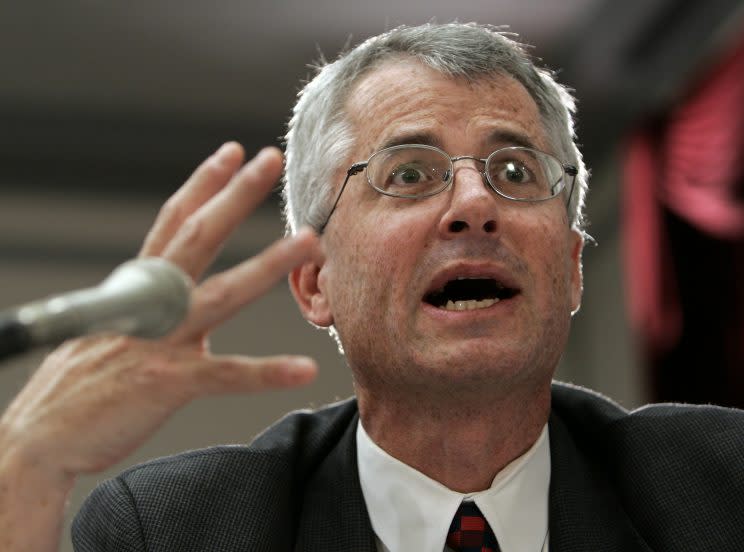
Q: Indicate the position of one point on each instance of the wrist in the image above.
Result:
(24, 466)
(33, 496)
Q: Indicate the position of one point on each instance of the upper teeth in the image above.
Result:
(468, 305)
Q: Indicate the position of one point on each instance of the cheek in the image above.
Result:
(552, 264)
(369, 256)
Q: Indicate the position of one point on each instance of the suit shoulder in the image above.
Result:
(252, 486)
(686, 433)
(675, 468)
(592, 411)
(299, 437)
(683, 439)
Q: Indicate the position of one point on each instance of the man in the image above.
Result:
(438, 166)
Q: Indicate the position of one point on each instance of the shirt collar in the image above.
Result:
(410, 511)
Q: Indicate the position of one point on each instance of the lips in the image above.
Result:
(469, 287)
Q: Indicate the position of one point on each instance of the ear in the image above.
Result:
(306, 286)
(577, 277)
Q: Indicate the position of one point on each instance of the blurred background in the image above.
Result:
(106, 107)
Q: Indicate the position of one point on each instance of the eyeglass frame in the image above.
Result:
(358, 167)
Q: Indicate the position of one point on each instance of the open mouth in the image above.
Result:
(464, 293)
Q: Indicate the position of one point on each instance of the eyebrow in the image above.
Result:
(511, 138)
(500, 137)
(423, 138)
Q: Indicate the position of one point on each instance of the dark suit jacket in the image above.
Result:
(662, 478)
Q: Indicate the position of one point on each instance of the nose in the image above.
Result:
(472, 203)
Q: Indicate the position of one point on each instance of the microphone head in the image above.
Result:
(149, 297)
(145, 297)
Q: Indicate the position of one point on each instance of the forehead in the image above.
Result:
(405, 99)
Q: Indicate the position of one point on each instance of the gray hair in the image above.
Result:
(319, 134)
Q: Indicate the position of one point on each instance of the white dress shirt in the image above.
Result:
(410, 511)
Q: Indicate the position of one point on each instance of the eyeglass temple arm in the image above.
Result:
(572, 172)
(354, 169)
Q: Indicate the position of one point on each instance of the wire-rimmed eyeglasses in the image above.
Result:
(415, 171)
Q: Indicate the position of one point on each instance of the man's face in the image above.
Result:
(385, 256)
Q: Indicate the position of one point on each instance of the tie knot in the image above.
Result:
(470, 532)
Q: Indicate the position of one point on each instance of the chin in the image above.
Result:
(477, 360)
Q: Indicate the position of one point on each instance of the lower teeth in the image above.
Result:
(468, 305)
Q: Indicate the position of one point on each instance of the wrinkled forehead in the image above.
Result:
(405, 101)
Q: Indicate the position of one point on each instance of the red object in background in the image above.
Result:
(684, 240)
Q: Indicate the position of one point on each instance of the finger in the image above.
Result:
(199, 239)
(223, 295)
(208, 179)
(239, 374)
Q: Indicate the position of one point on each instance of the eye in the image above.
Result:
(514, 173)
(408, 175)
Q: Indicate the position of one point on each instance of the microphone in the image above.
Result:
(145, 297)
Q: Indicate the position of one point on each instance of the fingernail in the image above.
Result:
(265, 154)
(299, 368)
(225, 148)
(302, 364)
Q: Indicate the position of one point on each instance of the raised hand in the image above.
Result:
(96, 399)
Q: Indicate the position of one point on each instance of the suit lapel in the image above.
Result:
(585, 514)
(334, 516)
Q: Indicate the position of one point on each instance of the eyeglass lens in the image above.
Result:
(409, 172)
(524, 173)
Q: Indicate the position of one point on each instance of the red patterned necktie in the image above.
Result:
(470, 532)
